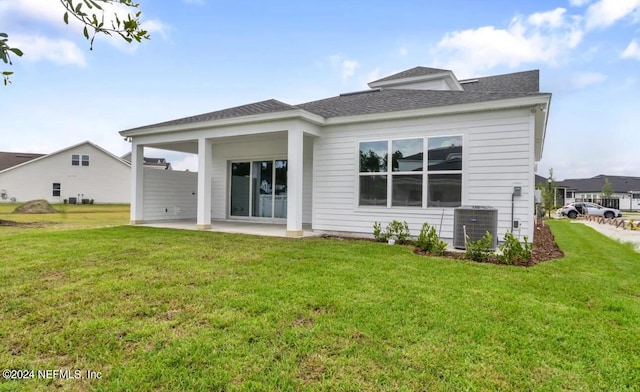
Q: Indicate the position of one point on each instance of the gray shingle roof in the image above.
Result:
(268, 106)
(417, 71)
(384, 101)
(527, 81)
(514, 85)
(11, 159)
(620, 184)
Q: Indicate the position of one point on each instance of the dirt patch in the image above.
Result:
(8, 223)
(35, 207)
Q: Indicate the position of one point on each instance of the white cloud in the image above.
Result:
(604, 13)
(59, 34)
(578, 3)
(632, 51)
(404, 51)
(584, 79)
(552, 19)
(347, 68)
(543, 37)
(59, 51)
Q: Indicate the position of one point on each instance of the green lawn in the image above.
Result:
(71, 216)
(159, 309)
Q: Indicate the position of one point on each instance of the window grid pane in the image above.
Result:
(406, 190)
(373, 190)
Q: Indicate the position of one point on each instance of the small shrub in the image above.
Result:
(91, 201)
(428, 240)
(65, 201)
(378, 234)
(399, 231)
(479, 250)
(513, 251)
(396, 230)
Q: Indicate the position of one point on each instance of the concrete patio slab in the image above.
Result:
(238, 227)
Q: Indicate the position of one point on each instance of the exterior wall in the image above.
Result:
(254, 148)
(105, 180)
(497, 155)
(169, 194)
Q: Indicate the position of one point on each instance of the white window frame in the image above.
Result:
(425, 171)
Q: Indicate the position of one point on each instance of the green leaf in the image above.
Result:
(3, 35)
(96, 5)
(17, 51)
(66, 18)
(86, 32)
(7, 73)
(3, 56)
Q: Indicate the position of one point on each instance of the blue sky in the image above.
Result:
(206, 55)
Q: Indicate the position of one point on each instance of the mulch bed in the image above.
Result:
(544, 249)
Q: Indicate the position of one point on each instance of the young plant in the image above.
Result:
(378, 234)
(428, 240)
(479, 250)
(513, 251)
(399, 231)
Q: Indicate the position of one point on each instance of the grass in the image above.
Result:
(71, 216)
(159, 309)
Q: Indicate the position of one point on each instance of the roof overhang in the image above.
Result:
(297, 114)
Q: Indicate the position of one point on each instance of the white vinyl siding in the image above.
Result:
(169, 195)
(106, 180)
(249, 149)
(497, 155)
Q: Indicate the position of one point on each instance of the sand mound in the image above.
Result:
(35, 207)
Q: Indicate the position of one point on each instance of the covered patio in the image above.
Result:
(236, 227)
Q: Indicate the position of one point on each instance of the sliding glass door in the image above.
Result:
(259, 189)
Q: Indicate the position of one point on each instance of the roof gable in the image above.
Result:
(411, 73)
(67, 149)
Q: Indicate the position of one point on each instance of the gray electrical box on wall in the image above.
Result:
(517, 191)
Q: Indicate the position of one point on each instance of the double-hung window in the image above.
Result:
(56, 189)
(79, 160)
(410, 174)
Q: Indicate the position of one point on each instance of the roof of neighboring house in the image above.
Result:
(160, 162)
(619, 184)
(10, 159)
(485, 89)
(44, 156)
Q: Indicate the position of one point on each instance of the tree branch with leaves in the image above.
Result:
(91, 13)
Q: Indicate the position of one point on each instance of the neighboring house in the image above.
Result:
(625, 188)
(82, 171)
(412, 148)
(155, 163)
(10, 159)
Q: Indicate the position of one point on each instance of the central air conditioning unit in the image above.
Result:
(475, 221)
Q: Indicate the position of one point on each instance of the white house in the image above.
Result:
(82, 171)
(414, 147)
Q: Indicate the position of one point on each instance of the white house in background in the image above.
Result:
(414, 147)
(82, 171)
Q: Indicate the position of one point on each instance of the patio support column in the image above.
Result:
(137, 184)
(294, 182)
(205, 155)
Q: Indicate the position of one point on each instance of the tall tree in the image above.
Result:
(91, 13)
(607, 189)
